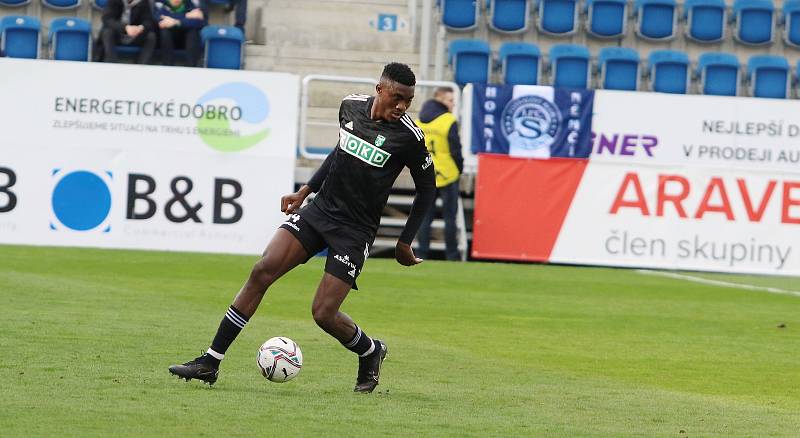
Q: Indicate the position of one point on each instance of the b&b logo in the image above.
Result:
(82, 200)
(179, 208)
(8, 199)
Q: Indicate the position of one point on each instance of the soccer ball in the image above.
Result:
(279, 359)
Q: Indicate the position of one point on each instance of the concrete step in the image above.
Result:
(328, 55)
(335, 25)
(403, 3)
(323, 113)
(322, 136)
(325, 94)
(305, 67)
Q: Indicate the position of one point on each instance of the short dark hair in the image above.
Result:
(400, 73)
(442, 90)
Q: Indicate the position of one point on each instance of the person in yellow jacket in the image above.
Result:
(441, 138)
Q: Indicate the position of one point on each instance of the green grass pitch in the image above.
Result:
(475, 350)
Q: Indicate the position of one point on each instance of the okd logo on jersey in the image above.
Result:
(362, 149)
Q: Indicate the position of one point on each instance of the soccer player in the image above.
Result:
(377, 139)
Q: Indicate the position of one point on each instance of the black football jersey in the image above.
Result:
(361, 170)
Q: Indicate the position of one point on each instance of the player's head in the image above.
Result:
(444, 95)
(395, 91)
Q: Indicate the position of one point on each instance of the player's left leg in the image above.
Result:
(329, 297)
(284, 252)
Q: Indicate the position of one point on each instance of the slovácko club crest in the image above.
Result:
(530, 123)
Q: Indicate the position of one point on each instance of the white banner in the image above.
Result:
(691, 218)
(144, 157)
(689, 182)
(697, 130)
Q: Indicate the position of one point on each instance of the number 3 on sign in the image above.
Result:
(387, 22)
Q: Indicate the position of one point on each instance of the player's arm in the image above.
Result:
(421, 167)
(293, 202)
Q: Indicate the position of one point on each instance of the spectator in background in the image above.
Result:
(129, 23)
(239, 5)
(179, 21)
(441, 138)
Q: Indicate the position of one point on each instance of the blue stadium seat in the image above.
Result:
(656, 19)
(520, 63)
(557, 17)
(70, 39)
(224, 47)
(19, 36)
(14, 3)
(606, 18)
(508, 16)
(459, 14)
(791, 22)
(669, 71)
(754, 21)
(618, 68)
(768, 76)
(718, 74)
(570, 65)
(470, 60)
(126, 50)
(99, 4)
(62, 4)
(705, 20)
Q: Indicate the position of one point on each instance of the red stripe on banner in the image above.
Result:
(521, 204)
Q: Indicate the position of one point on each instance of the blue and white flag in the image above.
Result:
(532, 121)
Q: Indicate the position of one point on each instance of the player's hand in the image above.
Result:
(405, 255)
(293, 202)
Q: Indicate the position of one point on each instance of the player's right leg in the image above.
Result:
(283, 253)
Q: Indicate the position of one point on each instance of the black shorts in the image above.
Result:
(348, 248)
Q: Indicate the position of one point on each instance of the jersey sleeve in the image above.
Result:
(319, 176)
(419, 162)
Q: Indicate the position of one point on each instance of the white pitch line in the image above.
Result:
(702, 280)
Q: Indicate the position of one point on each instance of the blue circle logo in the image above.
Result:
(81, 200)
(531, 122)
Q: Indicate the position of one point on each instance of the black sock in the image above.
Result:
(230, 326)
(361, 344)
